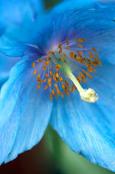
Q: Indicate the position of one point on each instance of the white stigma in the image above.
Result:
(89, 95)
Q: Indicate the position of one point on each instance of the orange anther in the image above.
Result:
(70, 88)
(39, 60)
(66, 83)
(58, 92)
(75, 40)
(63, 86)
(87, 74)
(61, 80)
(79, 79)
(61, 94)
(94, 49)
(50, 52)
(33, 65)
(47, 75)
(38, 76)
(81, 40)
(96, 56)
(40, 81)
(44, 68)
(49, 80)
(35, 72)
(51, 97)
(67, 48)
(62, 58)
(55, 95)
(46, 87)
(79, 45)
(66, 92)
(55, 85)
(57, 75)
(49, 84)
(52, 91)
(45, 80)
(51, 73)
(67, 41)
(64, 54)
(73, 54)
(38, 87)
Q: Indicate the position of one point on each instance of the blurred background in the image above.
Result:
(51, 155)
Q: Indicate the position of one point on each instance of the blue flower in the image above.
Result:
(57, 53)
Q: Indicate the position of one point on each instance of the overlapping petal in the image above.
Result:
(24, 112)
(88, 129)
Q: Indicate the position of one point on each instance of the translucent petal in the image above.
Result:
(25, 112)
(88, 129)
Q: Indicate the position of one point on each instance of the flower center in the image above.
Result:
(66, 67)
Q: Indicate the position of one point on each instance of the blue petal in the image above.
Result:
(6, 63)
(13, 11)
(87, 22)
(88, 129)
(24, 112)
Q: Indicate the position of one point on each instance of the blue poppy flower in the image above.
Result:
(57, 53)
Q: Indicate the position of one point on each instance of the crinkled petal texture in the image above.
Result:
(88, 129)
(24, 112)
(13, 11)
